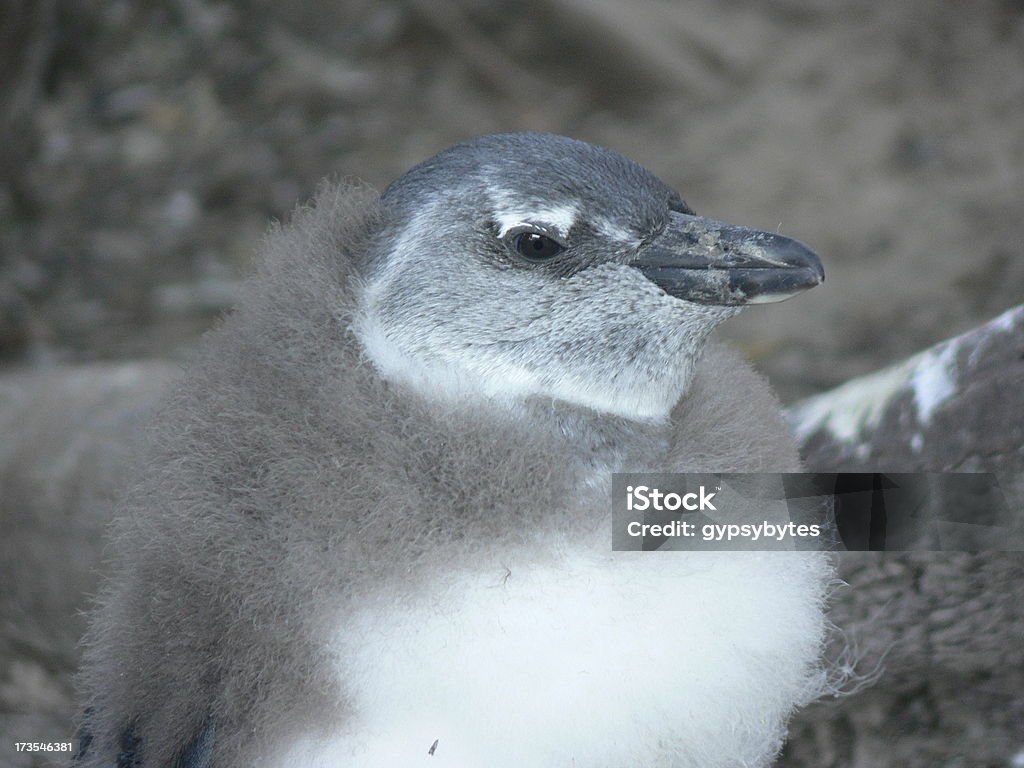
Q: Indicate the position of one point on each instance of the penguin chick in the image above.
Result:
(374, 527)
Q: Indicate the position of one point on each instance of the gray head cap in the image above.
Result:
(540, 170)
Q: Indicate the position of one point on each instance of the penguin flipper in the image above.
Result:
(198, 753)
(127, 755)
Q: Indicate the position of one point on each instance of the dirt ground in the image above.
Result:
(146, 144)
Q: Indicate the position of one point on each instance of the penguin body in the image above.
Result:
(375, 530)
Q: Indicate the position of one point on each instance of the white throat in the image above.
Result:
(457, 376)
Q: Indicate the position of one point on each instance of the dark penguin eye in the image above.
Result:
(535, 246)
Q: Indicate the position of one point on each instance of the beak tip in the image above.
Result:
(819, 275)
(803, 259)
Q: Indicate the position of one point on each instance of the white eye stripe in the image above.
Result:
(617, 234)
(554, 221)
(539, 228)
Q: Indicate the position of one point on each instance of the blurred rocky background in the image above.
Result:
(145, 144)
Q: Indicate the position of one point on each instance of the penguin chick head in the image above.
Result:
(530, 265)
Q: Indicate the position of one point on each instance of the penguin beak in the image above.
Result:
(708, 262)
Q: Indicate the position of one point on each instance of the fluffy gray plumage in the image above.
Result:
(317, 527)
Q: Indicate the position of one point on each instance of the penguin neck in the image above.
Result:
(606, 439)
(511, 391)
(507, 389)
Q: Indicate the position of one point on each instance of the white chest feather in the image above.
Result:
(599, 659)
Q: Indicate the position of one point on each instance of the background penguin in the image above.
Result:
(374, 527)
